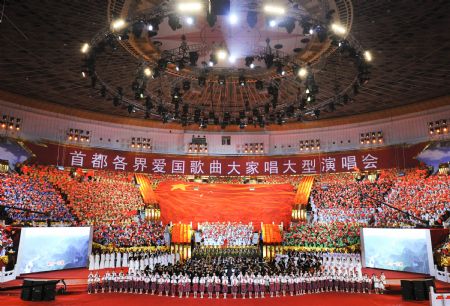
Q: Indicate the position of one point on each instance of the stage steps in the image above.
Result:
(302, 197)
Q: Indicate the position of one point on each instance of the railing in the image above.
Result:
(443, 276)
(439, 299)
(6, 276)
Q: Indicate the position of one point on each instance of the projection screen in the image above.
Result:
(53, 248)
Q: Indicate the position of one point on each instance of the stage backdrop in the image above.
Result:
(186, 202)
(96, 158)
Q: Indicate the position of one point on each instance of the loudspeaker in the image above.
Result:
(38, 290)
(416, 289)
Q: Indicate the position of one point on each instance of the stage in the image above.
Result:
(76, 281)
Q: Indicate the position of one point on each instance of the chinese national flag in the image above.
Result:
(185, 202)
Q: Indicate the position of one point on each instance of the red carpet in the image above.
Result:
(116, 299)
(77, 295)
(185, 202)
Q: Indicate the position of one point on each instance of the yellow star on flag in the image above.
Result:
(179, 186)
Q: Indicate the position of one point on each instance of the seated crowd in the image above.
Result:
(32, 193)
(322, 235)
(5, 240)
(226, 233)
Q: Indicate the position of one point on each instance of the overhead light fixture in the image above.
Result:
(189, 20)
(232, 59)
(147, 71)
(252, 66)
(368, 56)
(210, 64)
(274, 9)
(150, 27)
(233, 19)
(189, 6)
(85, 48)
(118, 24)
(221, 54)
(272, 23)
(302, 72)
(338, 29)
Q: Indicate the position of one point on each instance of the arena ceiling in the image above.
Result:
(40, 57)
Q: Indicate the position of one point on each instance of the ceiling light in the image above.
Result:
(368, 56)
(302, 72)
(252, 66)
(221, 54)
(118, 24)
(272, 23)
(311, 31)
(189, 20)
(150, 27)
(274, 9)
(147, 71)
(233, 19)
(210, 64)
(85, 48)
(338, 29)
(189, 6)
(232, 59)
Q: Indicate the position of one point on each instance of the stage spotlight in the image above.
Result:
(189, 7)
(147, 72)
(180, 65)
(221, 80)
(212, 59)
(303, 72)
(118, 24)
(233, 19)
(274, 9)
(338, 29)
(150, 27)
(221, 54)
(368, 56)
(272, 23)
(249, 61)
(193, 58)
(242, 80)
(189, 20)
(85, 48)
(252, 18)
(232, 59)
(280, 69)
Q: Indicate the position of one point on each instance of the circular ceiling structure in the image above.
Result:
(228, 62)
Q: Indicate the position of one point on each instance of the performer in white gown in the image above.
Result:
(118, 260)
(112, 260)
(91, 262)
(102, 261)
(125, 260)
(106, 265)
(97, 261)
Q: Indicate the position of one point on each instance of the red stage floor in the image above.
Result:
(76, 280)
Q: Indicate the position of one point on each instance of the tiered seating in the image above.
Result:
(228, 234)
(5, 240)
(107, 197)
(109, 201)
(324, 235)
(128, 234)
(424, 197)
(32, 193)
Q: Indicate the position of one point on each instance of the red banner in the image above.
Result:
(185, 202)
(96, 158)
